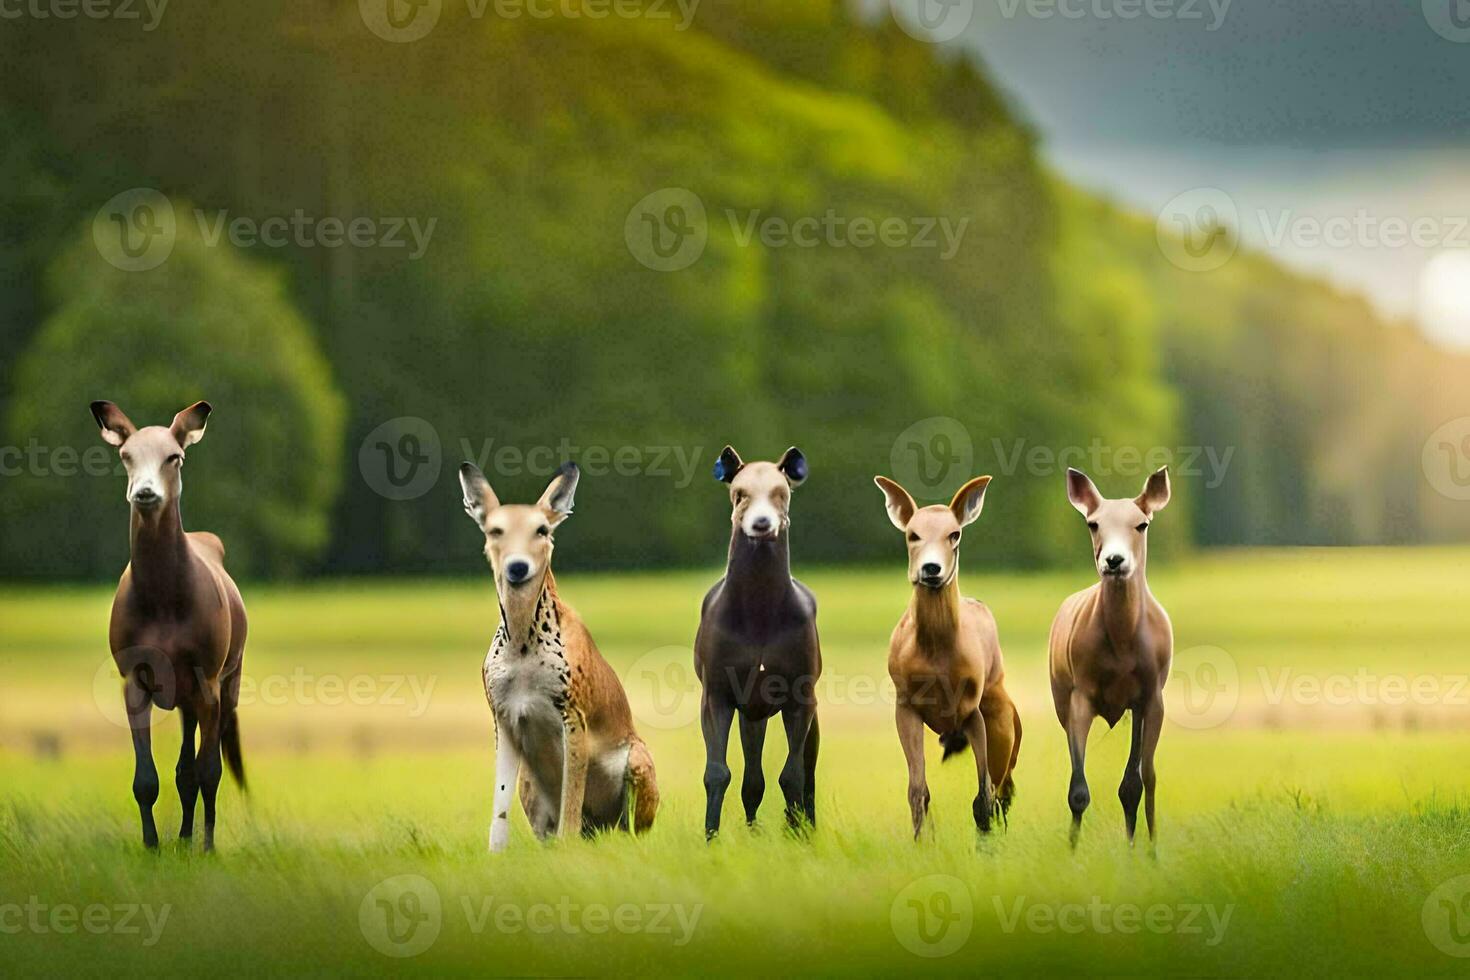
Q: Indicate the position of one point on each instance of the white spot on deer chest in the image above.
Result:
(528, 681)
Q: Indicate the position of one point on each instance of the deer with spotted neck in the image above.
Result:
(564, 734)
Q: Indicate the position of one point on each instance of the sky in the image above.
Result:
(1338, 130)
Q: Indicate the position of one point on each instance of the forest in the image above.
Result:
(444, 230)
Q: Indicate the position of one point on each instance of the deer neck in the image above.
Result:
(1121, 607)
(159, 555)
(758, 569)
(937, 615)
(522, 609)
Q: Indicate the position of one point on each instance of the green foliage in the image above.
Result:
(206, 324)
(527, 322)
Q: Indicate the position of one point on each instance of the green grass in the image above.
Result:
(1321, 830)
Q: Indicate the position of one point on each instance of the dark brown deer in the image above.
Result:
(757, 652)
(178, 623)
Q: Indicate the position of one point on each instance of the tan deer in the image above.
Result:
(944, 657)
(563, 728)
(1111, 645)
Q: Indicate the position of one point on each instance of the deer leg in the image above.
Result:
(573, 776)
(1153, 725)
(809, 768)
(911, 737)
(1130, 791)
(139, 703)
(207, 764)
(1078, 724)
(714, 720)
(1002, 733)
(507, 771)
(797, 720)
(185, 778)
(753, 780)
(974, 727)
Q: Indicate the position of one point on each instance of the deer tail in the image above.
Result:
(229, 742)
(954, 743)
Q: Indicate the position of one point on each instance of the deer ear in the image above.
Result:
(1081, 492)
(479, 499)
(560, 493)
(728, 464)
(116, 427)
(1155, 494)
(968, 500)
(897, 501)
(188, 425)
(793, 464)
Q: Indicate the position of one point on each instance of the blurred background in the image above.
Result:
(927, 239)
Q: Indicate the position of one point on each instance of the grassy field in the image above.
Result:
(1314, 796)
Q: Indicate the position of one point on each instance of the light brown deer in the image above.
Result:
(563, 728)
(1111, 645)
(178, 623)
(945, 660)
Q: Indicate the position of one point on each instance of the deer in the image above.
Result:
(944, 658)
(756, 652)
(177, 630)
(564, 734)
(1111, 646)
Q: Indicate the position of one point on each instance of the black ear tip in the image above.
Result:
(569, 469)
(205, 407)
(468, 469)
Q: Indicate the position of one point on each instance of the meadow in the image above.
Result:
(1314, 800)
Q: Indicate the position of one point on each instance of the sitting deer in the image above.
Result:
(944, 657)
(563, 728)
(1111, 645)
(178, 623)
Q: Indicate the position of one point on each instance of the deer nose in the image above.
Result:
(145, 495)
(517, 571)
(1114, 560)
(931, 569)
(761, 525)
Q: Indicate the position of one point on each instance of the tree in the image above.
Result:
(208, 324)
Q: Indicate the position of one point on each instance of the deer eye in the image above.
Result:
(543, 531)
(176, 458)
(1141, 528)
(954, 537)
(913, 536)
(1092, 525)
(496, 532)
